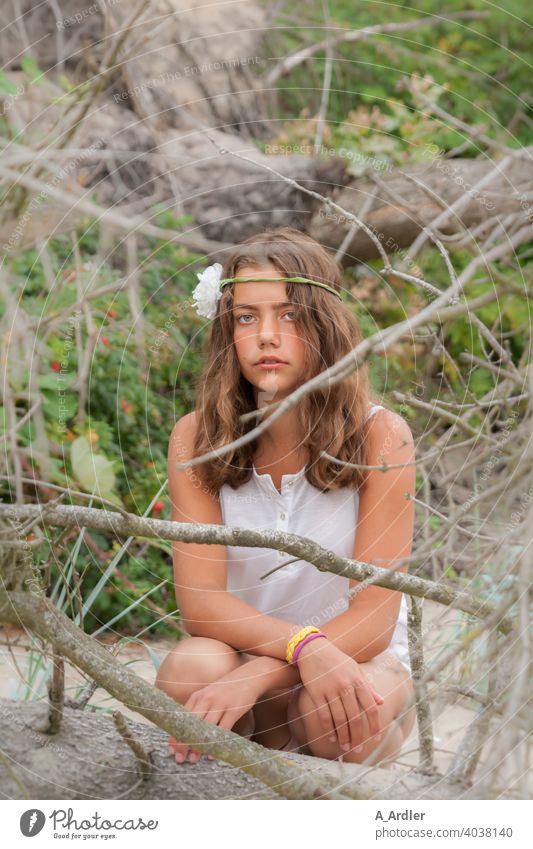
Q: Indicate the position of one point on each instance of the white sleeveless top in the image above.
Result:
(298, 593)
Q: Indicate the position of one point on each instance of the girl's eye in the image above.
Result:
(248, 315)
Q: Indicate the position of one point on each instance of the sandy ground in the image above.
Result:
(451, 713)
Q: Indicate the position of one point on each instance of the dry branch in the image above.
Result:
(111, 772)
(353, 36)
(47, 621)
(301, 547)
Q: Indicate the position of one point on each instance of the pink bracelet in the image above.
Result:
(299, 647)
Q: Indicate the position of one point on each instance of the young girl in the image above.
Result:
(290, 660)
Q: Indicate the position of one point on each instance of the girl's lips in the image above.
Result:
(270, 365)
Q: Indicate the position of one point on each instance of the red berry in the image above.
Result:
(56, 366)
(105, 340)
(158, 506)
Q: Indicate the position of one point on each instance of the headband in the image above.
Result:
(209, 289)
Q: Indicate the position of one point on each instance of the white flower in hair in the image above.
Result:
(207, 293)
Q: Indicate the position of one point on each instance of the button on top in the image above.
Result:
(282, 515)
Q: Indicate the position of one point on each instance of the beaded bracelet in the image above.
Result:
(297, 638)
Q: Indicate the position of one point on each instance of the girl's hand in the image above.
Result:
(340, 692)
(222, 703)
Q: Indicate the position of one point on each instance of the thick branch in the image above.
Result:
(43, 618)
(88, 759)
(301, 547)
(414, 197)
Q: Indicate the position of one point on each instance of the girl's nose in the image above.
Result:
(268, 329)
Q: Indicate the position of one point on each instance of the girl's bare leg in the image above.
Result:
(393, 681)
(194, 663)
(197, 661)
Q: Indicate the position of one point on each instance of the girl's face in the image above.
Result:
(264, 325)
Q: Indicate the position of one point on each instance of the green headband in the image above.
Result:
(281, 280)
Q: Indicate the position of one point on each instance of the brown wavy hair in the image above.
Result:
(332, 419)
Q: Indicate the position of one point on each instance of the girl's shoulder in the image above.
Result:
(181, 442)
(387, 428)
(188, 491)
(185, 427)
(373, 408)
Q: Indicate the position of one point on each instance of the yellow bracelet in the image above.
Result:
(297, 638)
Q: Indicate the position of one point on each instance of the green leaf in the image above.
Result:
(57, 381)
(374, 92)
(112, 496)
(132, 606)
(97, 472)
(79, 450)
(94, 471)
(7, 86)
(31, 68)
(59, 408)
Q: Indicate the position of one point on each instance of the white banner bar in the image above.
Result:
(252, 825)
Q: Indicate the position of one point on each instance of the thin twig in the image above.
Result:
(423, 708)
(353, 36)
(56, 694)
(143, 759)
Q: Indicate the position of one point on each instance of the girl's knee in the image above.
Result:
(307, 727)
(193, 663)
(204, 647)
